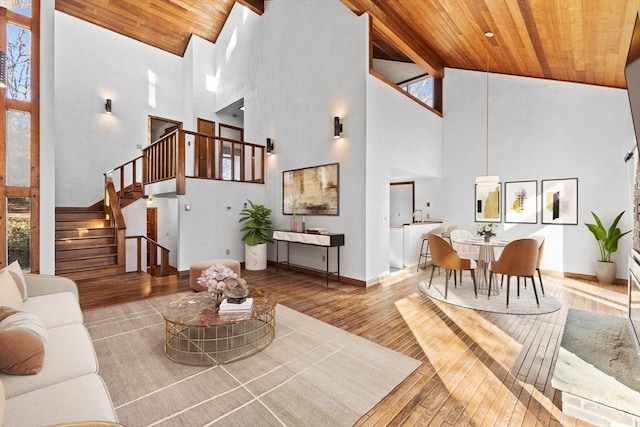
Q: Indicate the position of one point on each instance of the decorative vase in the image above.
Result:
(216, 297)
(487, 239)
(606, 271)
(294, 223)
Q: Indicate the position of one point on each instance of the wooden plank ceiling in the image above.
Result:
(584, 41)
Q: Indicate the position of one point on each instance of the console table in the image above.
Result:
(327, 241)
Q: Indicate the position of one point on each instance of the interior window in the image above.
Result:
(420, 88)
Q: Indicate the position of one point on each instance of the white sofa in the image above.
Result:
(68, 387)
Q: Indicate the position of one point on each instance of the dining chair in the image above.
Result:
(456, 237)
(447, 233)
(517, 259)
(463, 250)
(443, 256)
(424, 252)
(540, 239)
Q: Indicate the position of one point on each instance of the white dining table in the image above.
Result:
(485, 256)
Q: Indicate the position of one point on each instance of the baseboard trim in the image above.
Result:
(580, 276)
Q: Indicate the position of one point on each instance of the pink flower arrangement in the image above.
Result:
(213, 277)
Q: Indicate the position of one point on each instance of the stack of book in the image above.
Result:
(230, 305)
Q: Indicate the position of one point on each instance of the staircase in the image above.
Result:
(85, 244)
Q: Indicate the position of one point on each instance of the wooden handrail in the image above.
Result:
(112, 206)
(164, 255)
(121, 171)
(114, 214)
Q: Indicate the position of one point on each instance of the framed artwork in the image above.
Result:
(311, 191)
(560, 201)
(520, 204)
(487, 204)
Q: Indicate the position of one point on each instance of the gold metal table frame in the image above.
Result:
(197, 334)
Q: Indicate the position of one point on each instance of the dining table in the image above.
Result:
(485, 257)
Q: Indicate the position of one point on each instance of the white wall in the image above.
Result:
(208, 229)
(404, 140)
(296, 67)
(47, 139)
(135, 216)
(541, 129)
(91, 65)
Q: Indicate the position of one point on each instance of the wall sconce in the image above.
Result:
(107, 106)
(337, 127)
(269, 146)
(3, 69)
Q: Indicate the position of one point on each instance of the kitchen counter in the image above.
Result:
(405, 241)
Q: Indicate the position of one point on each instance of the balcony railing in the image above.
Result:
(183, 154)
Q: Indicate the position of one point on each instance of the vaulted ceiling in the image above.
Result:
(583, 41)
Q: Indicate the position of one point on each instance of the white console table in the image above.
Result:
(327, 241)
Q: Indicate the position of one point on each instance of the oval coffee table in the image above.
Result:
(197, 334)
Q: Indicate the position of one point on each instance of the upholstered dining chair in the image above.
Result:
(540, 239)
(443, 256)
(424, 252)
(447, 233)
(464, 250)
(517, 259)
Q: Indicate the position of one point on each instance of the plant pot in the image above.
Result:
(255, 257)
(606, 271)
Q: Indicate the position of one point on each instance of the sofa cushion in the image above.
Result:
(69, 355)
(79, 399)
(16, 271)
(9, 293)
(55, 309)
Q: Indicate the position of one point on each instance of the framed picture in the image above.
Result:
(487, 204)
(559, 201)
(520, 205)
(311, 191)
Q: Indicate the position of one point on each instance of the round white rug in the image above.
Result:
(463, 296)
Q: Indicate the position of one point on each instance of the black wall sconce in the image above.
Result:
(337, 127)
(3, 69)
(269, 146)
(107, 106)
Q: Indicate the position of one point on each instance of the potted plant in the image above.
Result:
(608, 244)
(257, 228)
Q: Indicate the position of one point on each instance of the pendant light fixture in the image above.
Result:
(487, 182)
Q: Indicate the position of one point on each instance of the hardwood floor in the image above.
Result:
(478, 368)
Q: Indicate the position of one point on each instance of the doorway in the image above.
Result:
(152, 233)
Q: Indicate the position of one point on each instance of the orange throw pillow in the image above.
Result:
(21, 349)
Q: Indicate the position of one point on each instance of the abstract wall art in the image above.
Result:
(520, 203)
(559, 201)
(487, 204)
(311, 191)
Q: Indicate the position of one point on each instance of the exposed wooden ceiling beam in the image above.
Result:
(399, 35)
(256, 6)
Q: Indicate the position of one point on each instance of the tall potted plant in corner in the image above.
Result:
(256, 220)
(608, 244)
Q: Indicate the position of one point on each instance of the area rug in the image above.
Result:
(463, 296)
(312, 374)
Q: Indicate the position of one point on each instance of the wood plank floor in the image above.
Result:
(478, 369)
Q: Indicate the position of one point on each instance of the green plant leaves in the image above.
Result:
(607, 239)
(256, 224)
